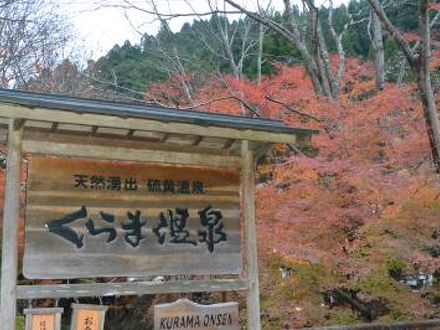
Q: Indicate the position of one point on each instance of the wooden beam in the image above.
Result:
(15, 111)
(251, 266)
(3, 135)
(128, 154)
(127, 288)
(11, 217)
(131, 142)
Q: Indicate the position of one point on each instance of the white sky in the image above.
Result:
(99, 27)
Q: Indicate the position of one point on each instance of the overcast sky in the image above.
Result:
(98, 28)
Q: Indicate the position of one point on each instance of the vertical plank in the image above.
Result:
(248, 183)
(10, 225)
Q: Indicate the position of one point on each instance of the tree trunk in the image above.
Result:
(403, 64)
(402, 72)
(260, 52)
(420, 65)
(324, 55)
(425, 86)
(293, 35)
(377, 44)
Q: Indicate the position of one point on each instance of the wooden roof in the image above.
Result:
(54, 120)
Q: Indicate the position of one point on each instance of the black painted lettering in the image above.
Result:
(169, 323)
(197, 321)
(190, 321)
(211, 319)
(162, 322)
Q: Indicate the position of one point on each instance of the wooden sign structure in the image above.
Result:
(103, 219)
(43, 318)
(187, 146)
(188, 315)
(88, 317)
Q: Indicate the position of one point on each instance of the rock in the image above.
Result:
(417, 281)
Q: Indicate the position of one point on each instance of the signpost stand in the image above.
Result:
(248, 179)
(121, 190)
(11, 218)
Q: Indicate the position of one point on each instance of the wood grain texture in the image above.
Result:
(88, 317)
(128, 141)
(43, 318)
(128, 154)
(127, 288)
(66, 117)
(11, 215)
(248, 183)
(51, 195)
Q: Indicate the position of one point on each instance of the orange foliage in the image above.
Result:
(368, 196)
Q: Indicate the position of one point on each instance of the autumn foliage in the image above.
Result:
(355, 213)
(343, 221)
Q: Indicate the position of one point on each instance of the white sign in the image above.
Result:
(188, 315)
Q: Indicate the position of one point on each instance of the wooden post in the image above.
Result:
(10, 225)
(253, 294)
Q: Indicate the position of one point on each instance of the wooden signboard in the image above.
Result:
(93, 219)
(88, 317)
(185, 314)
(43, 318)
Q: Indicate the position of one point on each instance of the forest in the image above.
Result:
(349, 225)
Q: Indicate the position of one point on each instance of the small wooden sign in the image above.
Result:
(99, 219)
(88, 317)
(43, 318)
(188, 315)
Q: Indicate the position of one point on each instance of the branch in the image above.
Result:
(167, 16)
(338, 41)
(295, 149)
(395, 33)
(243, 102)
(259, 18)
(414, 49)
(302, 114)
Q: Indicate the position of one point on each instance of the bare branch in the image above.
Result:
(414, 49)
(166, 16)
(239, 99)
(302, 114)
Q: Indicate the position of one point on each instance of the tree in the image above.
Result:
(317, 59)
(419, 63)
(375, 34)
(31, 36)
